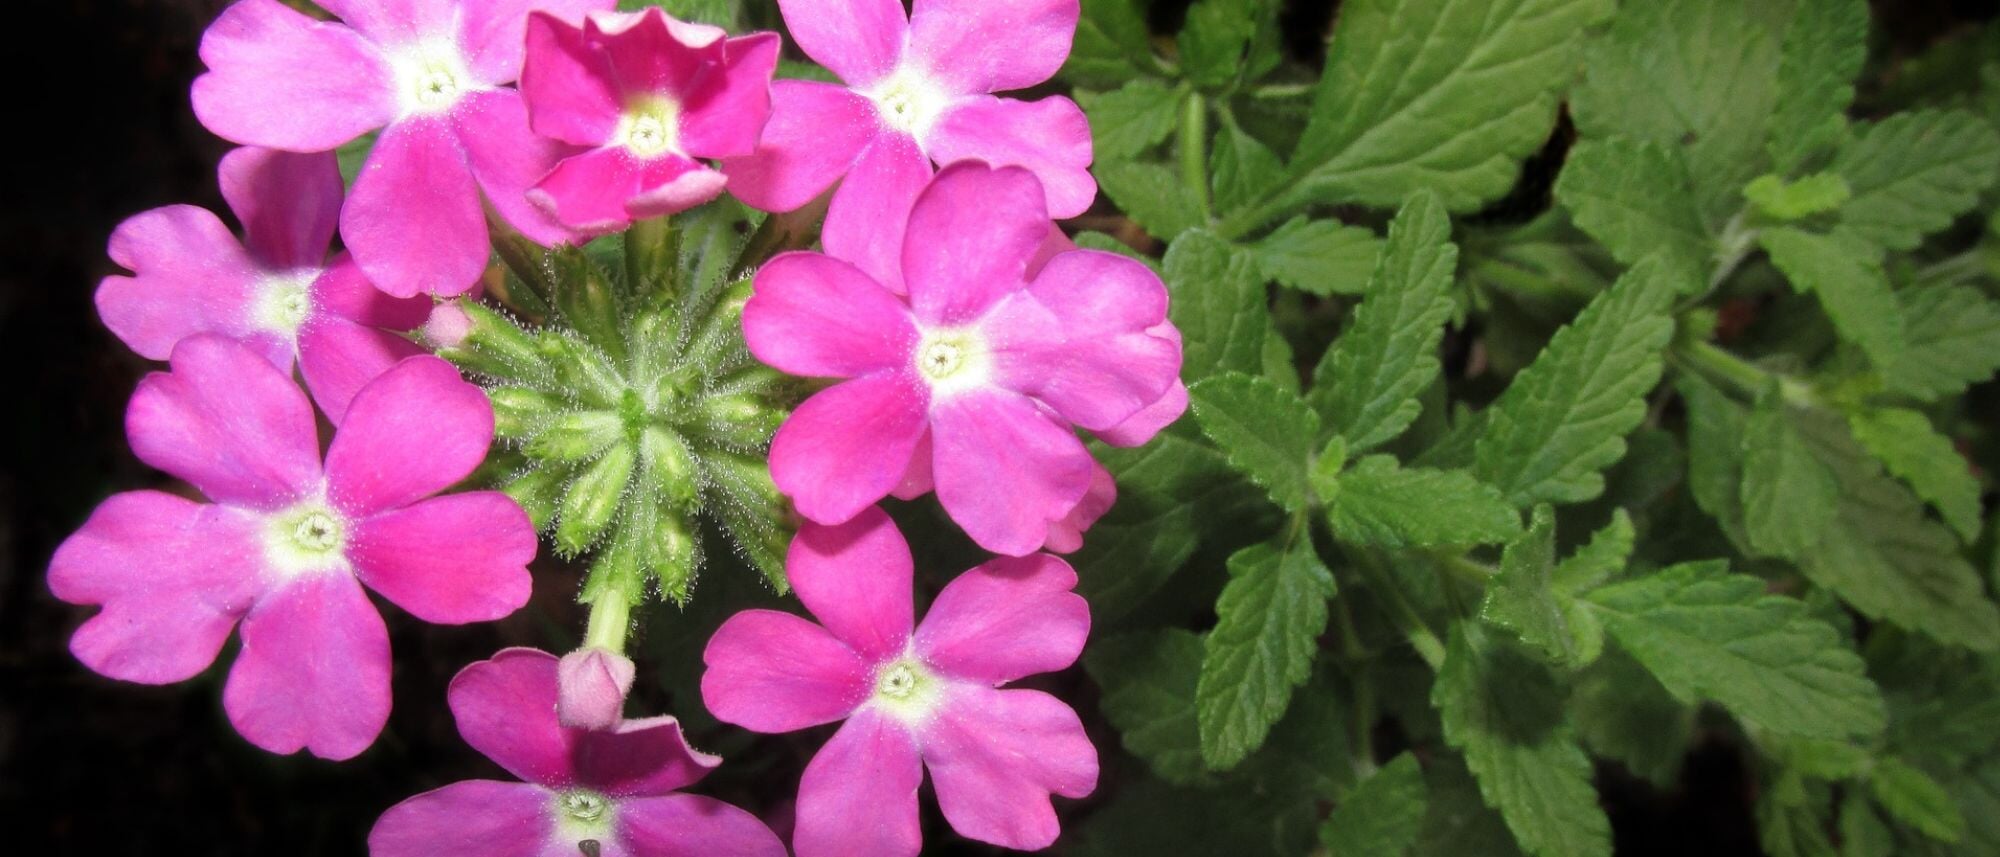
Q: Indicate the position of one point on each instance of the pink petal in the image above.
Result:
(343, 290)
(604, 190)
(449, 560)
(819, 316)
(567, 85)
(640, 757)
(505, 707)
(508, 158)
(493, 32)
(866, 220)
(1005, 470)
(693, 826)
(313, 672)
(173, 577)
(191, 276)
(1140, 427)
(1050, 138)
(673, 188)
(338, 358)
(844, 448)
(1006, 619)
(414, 222)
(280, 79)
(1056, 241)
(917, 478)
(858, 797)
(416, 430)
(288, 203)
(473, 818)
(725, 118)
(1105, 366)
(229, 422)
(860, 40)
(971, 236)
(816, 132)
(775, 672)
(1066, 535)
(996, 755)
(856, 579)
(982, 46)
(591, 686)
(650, 51)
(395, 21)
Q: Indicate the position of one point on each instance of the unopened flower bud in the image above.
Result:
(448, 325)
(591, 687)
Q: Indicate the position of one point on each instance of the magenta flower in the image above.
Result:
(429, 73)
(930, 696)
(289, 542)
(615, 789)
(918, 91)
(646, 96)
(274, 290)
(970, 383)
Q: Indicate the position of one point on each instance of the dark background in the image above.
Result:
(100, 129)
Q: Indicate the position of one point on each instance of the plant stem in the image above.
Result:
(610, 617)
(1194, 147)
(1413, 626)
(1744, 378)
(651, 246)
(786, 230)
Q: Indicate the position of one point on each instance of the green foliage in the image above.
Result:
(1266, 432)
(1378, 502)
(1270, 617)
(1382, 816)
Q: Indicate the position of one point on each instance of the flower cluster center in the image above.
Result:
(907, 689)
(953, 360)
(650, 127)
(909, 101)
(284, 301)
(307, 537)
(430, 76)
(582, 805)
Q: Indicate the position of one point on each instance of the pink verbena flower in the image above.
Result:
(429, 73)
(615, 788)
(289, 542)
(917, 91)
(646, 96)
(928, 698)
(274, 290)
(970, 383)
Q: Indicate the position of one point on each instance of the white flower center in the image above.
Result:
(651, 127)
(305, 538)
(907, 690)
(909, 100)
(953, 360)
(283, 301)
(431, 76)
(584, 817)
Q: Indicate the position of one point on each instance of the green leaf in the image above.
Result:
(1111, 45)
(1564, 418)
(1915, 799)
(1823, 50)
(1914, 172)
(1788, 496)
(1522, 598)
(1447, 95)
(1715, 453)
(1267, 433)
(1953, 337)
(1367, 384)
(1382, 816)
(1269, 620)
(1218, 302)
(1214, 37)
(1457, 822)
(1781, 200)
(1863, 833)
(1164, 489)
(1711, 635)
(1148, 681)
(1635, 198)
(1321, 257)
(1130, 119)
(1601, 559)
(1504, 710)
(1623, 713)
(1382, 504)
(1846, 276)
(1243, 170)
(1906, 444)
(1152, 195)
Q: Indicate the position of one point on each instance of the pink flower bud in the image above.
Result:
(591, 688)
(448, 326)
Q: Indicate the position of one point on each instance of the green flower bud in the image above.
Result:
(742, 421)
(593, 499)
(670, 469)
(494, 345)
(537, 491)
(576, 436)
(519, 411)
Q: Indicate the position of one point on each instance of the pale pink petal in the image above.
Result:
(288, 203)
(1050, 138)
(818, 316)
(448, 560)
(858, 797)
(414, 222)
(673, 188)
(725, 118)
(338, 358)
(1105, 366)
(856, 579)
(1055, 242)
(592, 685)
(393, 22)
(844, 448)
(971, 236)
(860, 40)
(173, 577)
(775, 672)
(1140, 427)
(866, 220)
(693, 826)
(228, 422)
(508, 158)
(1066, 535)
(343, 290)
(1008, 618)
(473, 818)
(281, 79)
(816, 132)
(569, 91)
(640, 757)
(313, 672)
(1005, 470)
(996, 755)
(411, 433)
(505, 707)
(191, 276)
(587, 192)
(983, 46)
(917, 479)
(493, 32)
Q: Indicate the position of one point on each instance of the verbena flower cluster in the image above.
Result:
(968, 342)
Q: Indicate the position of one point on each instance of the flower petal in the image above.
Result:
(845, 447)
(493, 33)
(288, 203)
(473, 818)
(505, 707)
(866, 220)
(650, 51)
(775, 672)
(591, 686)
(693, 826)
(567, 86)
(409, 434)
(1140, 427)
(725, 117)
(449, 560)
(1006, 619)
(1005, 469)
(859, 40)
(982, 46)
(640, 757)
(343, 290)
(313, 672)
(190, 276)
(858, 797)
(587, 192)
(996, 755)
(674, 185)
(507, 159)
(1050, 138)
(395, 21)
(971, 236)
(338, 358)
(1066, 535)
(856, 579)
(1105, 366)
(228, 422)
(818, 316)
(917, 478)
(414, 222)
(281, 79)
(816, 132)
(173, 577)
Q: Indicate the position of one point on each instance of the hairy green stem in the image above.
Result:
(1194, 147)
(610, 619)
(650, 250)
